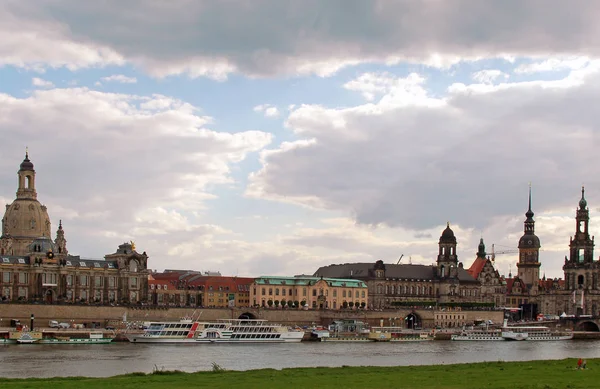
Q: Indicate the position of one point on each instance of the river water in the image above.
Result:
(19, 361)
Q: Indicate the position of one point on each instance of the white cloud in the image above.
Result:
(554, 64)
(120, 78)
(465, 157)
(488, 76)
(41, 83)
(270, 37)
(117, 170)
(268, 110)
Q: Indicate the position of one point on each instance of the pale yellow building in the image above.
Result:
(308, 291)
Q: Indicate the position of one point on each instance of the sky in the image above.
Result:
(270, 137)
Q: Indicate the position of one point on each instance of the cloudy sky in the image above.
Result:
(273, 137)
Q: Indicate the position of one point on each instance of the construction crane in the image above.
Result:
(399, 259)
(501, 252)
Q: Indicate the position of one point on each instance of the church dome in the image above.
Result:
(448, 235)
(529, 241)
(26, 218)
(26, 164)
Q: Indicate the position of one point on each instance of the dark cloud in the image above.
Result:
(267, 37)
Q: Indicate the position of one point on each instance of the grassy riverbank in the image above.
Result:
(491, 375)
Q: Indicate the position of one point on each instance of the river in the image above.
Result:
(20, 361)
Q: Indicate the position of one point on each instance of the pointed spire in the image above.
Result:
(60, 224)
(529, 213)
(26, 152)
(583, 201)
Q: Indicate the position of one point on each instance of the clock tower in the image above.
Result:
(529, 253)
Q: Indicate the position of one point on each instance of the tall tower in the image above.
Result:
(581, 253)
(25, 218)
(447, 259)
(529, 252)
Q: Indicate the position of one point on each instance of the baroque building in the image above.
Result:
(579, 293)
(446, 283)
(36, 268)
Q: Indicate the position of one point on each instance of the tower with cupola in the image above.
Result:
(529, 252)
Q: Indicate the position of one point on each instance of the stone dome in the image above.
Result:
(26, 218)
(26, 164)
(448, 235)
(529, 241)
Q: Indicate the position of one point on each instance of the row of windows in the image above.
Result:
(294, 292)
(52, 278)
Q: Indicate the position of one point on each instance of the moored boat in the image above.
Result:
(221, 331)
(478, 335)
(398, 334)
(533, 333)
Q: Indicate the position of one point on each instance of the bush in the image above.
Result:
(270, 303)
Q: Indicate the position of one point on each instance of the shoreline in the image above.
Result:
(548, 374)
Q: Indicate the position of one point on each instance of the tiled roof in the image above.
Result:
(365, 271)
(477, 266)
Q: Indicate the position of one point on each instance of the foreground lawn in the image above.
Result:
(534, 374)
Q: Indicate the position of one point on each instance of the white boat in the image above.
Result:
(533, 333)
(483, 334)
(221, 331)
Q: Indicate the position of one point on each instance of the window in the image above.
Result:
(133, 282)
(270, 291)
(23, 278)
(83, 280)
(314, 292)
(98, 281)
(344, 293)
(21, 260)
(111, 282)
(83, 295)
(277, 292)
(82, 264)
(362, 294)
(304, 292)
(335, 293)
(283, 292)
(6, 277)
(69, 280)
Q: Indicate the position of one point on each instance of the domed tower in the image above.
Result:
(529, 252)
(581, 253)
(447, 259)
(25, 219)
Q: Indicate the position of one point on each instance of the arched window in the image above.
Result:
(580, 279)
(442, 271)
(379, 289)
(133, 266)
(29, 182)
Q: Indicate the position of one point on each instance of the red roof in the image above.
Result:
(477, 267)
(510, 282)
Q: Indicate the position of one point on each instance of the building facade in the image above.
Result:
(309, 291)
(36, 268)
(579, 293)
(445, 283)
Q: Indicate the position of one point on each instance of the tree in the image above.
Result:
(270, 303)
(283, 303)
(291, 303)
(345, 304)
(303, 303)
(297, 303)
(363, 305)
(276, 303)
(351, 304)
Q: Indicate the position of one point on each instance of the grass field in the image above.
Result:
(493, 375)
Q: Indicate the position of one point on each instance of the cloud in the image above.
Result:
(553, 65)
(41, 83)
(120, 79)
(465, 157)
(116, 167)
(488, 76)
(268, 37)
(268, 110)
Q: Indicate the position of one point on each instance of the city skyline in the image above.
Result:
(274, 139)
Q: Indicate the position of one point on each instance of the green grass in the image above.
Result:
(492, 375)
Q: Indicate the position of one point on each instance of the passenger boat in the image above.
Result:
(221, 331)
(533, 333)
(483, 334)
(53, 337)
(398, 334)
(86, 337)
